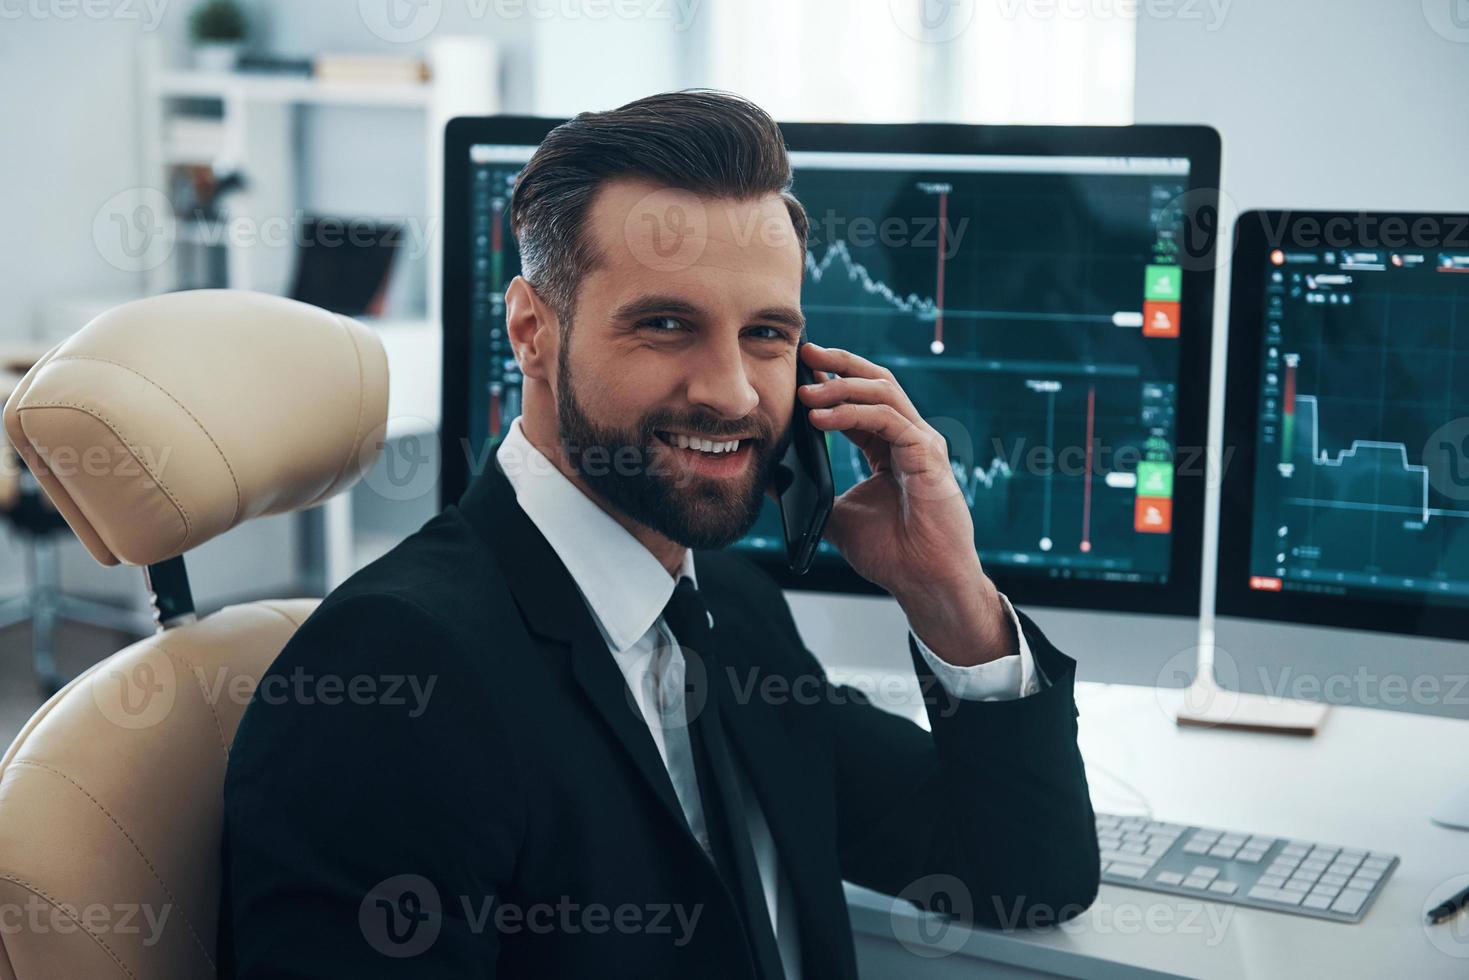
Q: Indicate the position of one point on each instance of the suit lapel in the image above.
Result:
(553, 608)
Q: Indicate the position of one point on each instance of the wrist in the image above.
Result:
(964, 625)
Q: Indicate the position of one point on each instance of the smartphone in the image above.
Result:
(803, 483)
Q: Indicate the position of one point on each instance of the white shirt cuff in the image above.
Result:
(1004, 679)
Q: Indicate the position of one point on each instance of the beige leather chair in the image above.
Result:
(161, 424)
(37, 530)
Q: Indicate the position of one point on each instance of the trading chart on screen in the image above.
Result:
(1361, 482)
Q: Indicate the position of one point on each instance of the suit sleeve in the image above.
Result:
(995, 796)
(351, 746)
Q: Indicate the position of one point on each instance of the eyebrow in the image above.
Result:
(649, 305)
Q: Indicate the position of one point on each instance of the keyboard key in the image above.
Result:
(1223, 887)
(1124, 870)
(1323, 853)
(1212, 836)
(1333, 879)
(1349, 902)
(1250, 857)
(1295, 849)
(1168, 878)
(1296, 885)
(1204, 871)
(1364, 884)
(1196, 847)
(1377, 863)
(1223, 851)
(1233, 840)
(1314, 864)
(1272, 881)
(1261, 843)
(1275, 895)
(1314, 901)
(1194, 881)
(1304, 874)
(1358, 855)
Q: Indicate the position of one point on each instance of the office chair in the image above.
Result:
(38, 526)
(200, 410)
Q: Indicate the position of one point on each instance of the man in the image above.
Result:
(622, 761)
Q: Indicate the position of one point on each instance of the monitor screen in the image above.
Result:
(1352, 402)
(1035, 302)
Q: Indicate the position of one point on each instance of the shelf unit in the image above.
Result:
(245, 122)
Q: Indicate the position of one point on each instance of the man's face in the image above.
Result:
(687, 329)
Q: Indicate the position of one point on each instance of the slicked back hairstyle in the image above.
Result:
(707, 142)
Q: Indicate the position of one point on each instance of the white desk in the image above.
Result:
(1367, 780)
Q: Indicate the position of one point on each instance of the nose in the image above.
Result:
(718, 380)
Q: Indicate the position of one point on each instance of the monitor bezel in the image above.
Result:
(1256, 234)
(1179, 595)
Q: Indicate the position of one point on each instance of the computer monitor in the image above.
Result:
(1343, 570)
(1044, 294)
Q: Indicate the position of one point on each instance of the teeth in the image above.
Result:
(703, 445)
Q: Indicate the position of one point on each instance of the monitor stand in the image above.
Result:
(1207, 705)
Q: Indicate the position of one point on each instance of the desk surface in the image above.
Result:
(1368, 779)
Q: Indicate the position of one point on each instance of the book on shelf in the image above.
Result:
(382, 69)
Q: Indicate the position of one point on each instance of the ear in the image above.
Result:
(534, 330)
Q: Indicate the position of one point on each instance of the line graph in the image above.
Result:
(857, 273)
(1353, 396)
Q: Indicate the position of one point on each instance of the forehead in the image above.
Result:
(651, 237)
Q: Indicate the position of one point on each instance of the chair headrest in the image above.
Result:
(167, 421)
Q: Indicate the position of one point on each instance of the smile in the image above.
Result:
(714, 447)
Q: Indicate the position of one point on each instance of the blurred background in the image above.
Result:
(163, 144)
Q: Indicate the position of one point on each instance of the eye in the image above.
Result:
(663, 324)
(776, 333)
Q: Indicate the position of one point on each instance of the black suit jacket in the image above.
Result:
(517, 821)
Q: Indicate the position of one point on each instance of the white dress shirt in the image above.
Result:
(626, 588)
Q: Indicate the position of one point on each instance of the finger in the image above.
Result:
(916, 452)
(883, 421)
(862, 391)
(838, 361)
(872, 447)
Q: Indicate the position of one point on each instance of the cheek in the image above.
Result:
(628, 392)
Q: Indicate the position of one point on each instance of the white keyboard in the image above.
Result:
(1305, 877)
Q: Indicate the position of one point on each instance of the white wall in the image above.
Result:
(68, 115)
(1333, 104)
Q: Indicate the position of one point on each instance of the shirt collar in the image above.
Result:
(624, 586)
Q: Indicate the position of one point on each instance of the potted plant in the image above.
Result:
(218, 30)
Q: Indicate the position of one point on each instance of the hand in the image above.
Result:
(907, 526)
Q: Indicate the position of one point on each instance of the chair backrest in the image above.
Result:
(198, 411)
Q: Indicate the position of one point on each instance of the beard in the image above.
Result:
(656, 490)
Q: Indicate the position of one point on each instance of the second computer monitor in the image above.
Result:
(1043, 294)
(1344, 530)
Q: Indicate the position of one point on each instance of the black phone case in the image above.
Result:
(804, 484)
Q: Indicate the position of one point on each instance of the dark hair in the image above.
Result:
(710, 143)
